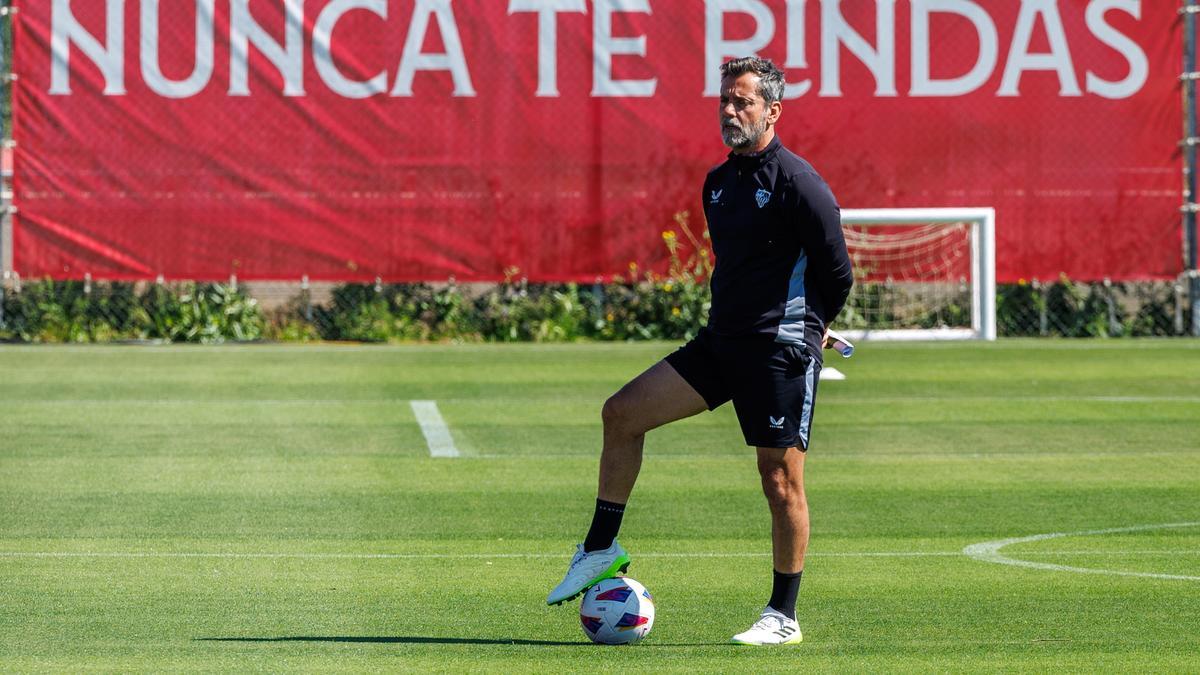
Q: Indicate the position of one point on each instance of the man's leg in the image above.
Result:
(652, 399)
(775, 411)
(782, 472)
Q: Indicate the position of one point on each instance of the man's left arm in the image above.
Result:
(824, 243)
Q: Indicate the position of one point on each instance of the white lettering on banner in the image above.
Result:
(881, 61)
(795, 49)
(922, 83)
(717, 49)
(1139, 67)
(323, 50)
(413, 59)
(287, 59)
(68, 37)
(605, 46)
(547, 36)
(110, 57)
(1058, 59)
(202, 69)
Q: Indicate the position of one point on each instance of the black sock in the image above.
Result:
(783, 593)
(605, 524)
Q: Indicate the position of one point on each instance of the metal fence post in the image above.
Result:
(1043, 298)
(1110, 303)
(5, 182)
(306, 297)
(1188, 80)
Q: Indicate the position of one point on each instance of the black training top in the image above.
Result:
(782, 267)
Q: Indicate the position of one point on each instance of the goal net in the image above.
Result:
(921, 274)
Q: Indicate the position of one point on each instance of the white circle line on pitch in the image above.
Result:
(989, 551)
(499, 556)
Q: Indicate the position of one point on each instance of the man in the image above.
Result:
(782, 274)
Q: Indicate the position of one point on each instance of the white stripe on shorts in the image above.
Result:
(806, 411)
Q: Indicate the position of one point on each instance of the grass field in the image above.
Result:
(276, 508)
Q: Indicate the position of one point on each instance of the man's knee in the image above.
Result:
(782, 490)
(617, 414)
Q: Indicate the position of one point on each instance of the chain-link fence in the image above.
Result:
(642, 306)
(654, 308)
(6, 246)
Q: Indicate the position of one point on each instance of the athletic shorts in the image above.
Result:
(773, 386)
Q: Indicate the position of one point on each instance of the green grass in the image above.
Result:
(288, 467)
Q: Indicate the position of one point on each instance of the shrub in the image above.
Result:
(642, 306)
(79, 311)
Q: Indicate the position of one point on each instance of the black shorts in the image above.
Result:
(773, 386)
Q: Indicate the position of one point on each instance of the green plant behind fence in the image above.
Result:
(642, 306)
(77, 311)
(651, 308)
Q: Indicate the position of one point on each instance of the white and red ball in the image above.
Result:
(617, 611)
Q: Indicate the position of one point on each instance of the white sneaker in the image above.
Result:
(588, 569)
(772, 628)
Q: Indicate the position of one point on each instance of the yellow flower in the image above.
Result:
(675, 311)
(1021, 282)
(610, 317)
(668, 286)
(669, 235)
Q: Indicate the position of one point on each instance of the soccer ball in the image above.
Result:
(617, 611)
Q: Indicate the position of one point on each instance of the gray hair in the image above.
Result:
(770, 77)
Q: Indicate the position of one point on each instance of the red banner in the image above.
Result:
(424, 139)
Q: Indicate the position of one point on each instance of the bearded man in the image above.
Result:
(782, 274)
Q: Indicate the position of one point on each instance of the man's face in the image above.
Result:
(745, 115)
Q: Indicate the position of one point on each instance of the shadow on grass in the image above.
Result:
(420, 640)
(400, 639)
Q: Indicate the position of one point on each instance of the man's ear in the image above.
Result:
(774, 111)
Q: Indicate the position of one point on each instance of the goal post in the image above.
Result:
(921, 274)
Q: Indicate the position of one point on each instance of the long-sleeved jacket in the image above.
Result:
(781, 263)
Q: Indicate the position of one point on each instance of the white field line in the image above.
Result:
(406, 556)
(859, 456)
(152, 347)
(437, 434)
(857, 400)
(491, 556)
(989, 551)
(156, 347)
